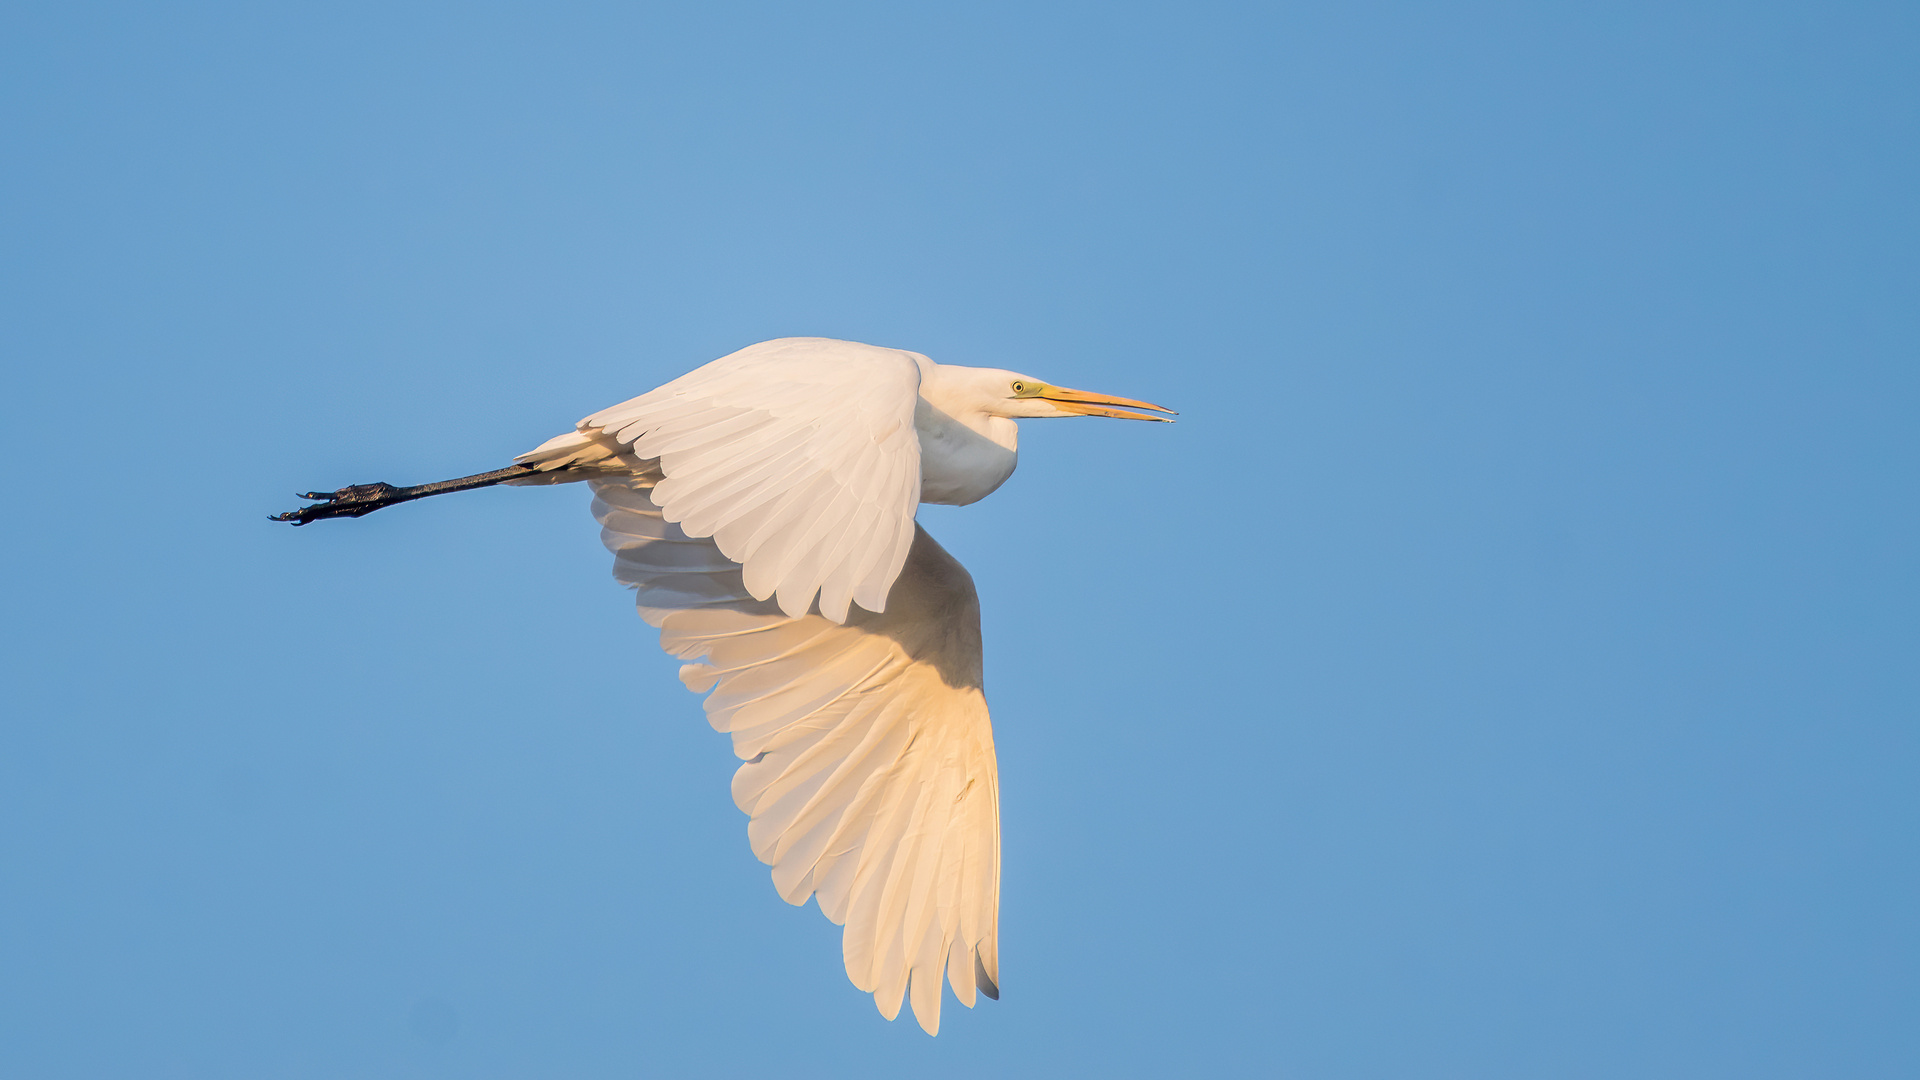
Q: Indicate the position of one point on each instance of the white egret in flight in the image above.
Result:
(763, 509)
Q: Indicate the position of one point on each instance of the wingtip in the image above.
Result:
(984, 981)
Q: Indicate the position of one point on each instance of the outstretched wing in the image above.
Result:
(869, 769)
(797, 456)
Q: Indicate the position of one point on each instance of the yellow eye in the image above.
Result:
(1019, 387)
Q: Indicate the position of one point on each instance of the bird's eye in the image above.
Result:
(1019, 387)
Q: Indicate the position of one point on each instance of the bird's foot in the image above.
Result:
(351, 501)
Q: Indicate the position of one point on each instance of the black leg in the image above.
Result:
(360, 499)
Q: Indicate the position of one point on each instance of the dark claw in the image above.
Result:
(357, 500)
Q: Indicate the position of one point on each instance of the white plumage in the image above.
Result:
(869, 772)
(806, 473)
(762, 507)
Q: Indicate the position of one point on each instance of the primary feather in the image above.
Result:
(868, 768)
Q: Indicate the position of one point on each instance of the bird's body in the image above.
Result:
(762, 508)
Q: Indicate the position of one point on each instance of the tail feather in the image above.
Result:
(580, 455)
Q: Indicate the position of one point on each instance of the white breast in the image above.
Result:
(961, 463)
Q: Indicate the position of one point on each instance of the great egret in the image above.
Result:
(762, 506)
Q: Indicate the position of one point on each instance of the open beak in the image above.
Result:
(1088, 403)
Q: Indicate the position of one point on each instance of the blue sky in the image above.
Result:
(1507, 667)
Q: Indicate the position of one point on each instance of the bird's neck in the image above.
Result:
(998, 430)
(965, 451)
(955, 394)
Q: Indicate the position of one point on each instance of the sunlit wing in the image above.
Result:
(797, 456)
(869, 769)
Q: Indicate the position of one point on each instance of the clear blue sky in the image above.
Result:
(1508, 668)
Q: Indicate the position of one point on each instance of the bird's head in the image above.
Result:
(1011, 394)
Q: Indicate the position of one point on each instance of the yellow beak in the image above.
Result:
(1088, 403)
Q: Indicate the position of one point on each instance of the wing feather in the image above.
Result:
(797, 456)
(868, 772)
